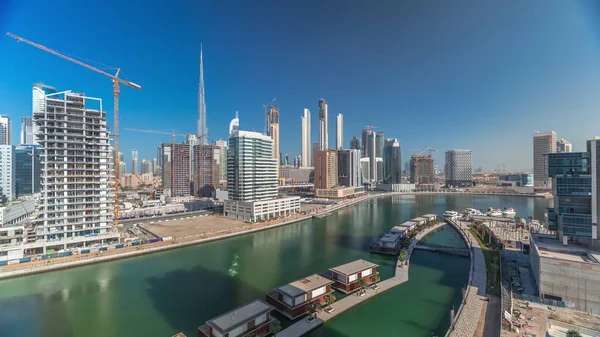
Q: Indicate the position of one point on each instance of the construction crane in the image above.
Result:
(172, 133)
(430, 149)
(116, 91)
(265, 106)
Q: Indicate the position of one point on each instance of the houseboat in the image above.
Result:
(253, 318)
(291, 299)
(390, 243)
(346, 276)
(430, 217)
(419, 221)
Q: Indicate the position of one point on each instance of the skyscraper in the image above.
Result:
(355, 143)
(26, 131)
(349, 168)
(543, 144)
(7, 171)
(202, 128)
(326, 169)
(134, 161)
(176, 170)
(28, 172)
(273, 132)
(366, 133)
(392, 161)
(146, 166)
(563, 146)
(85, 172)
(252, 179)
(339, 132)
(323, 126)
(575, 187)
(155, 166)
(306, 144)
(5, 130)
(459, 168)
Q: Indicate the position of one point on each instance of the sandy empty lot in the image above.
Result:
(191, 226)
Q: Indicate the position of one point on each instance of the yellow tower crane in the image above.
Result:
(116, 80)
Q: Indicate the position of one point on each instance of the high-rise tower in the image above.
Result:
(306, 144)
(323, 127)
(202, 129)
(339, 132)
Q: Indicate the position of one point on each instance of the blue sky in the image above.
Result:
(480, 75)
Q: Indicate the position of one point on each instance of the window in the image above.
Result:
(318, 292)
(367, 272)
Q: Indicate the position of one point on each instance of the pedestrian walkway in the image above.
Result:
(464, 324)
(401, 275)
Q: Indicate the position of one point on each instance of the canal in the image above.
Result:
(164, 293)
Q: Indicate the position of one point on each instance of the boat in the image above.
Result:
(494, 212)
(509, 211)
(450, 214)
(471, 211)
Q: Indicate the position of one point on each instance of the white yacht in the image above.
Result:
(494, 212)
(509, 211)
(450, 214)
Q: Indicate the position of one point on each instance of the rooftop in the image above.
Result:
(430, 215)
(240, 315)
(304, 285)
(390, 237)
(549, 246)
(354, 267)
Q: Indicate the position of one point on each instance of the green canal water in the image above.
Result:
(164, 293)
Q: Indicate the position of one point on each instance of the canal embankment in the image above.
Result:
(41, 266)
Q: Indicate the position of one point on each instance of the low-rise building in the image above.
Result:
(17, 212)
(292, 299)
(566, 273)
(261, 210)
(430, 217)
(339, 192)
(250, 319)
(397, 187)
(346, 276)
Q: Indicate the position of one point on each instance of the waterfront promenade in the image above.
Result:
(303, 326)
(467, 317)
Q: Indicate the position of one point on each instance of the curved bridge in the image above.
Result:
(443, 249)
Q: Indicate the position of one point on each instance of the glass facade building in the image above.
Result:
(572, 188)
(28, 171)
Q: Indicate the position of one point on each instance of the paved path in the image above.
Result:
(465, 325)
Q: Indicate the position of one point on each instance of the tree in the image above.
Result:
(402, 256)
(275, 326)
(573, 333)
(376, 277)
(311, 308)
(329, 300)
(362, 284)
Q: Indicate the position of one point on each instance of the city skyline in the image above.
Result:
(230, 76)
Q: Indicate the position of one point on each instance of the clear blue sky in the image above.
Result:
(480, 75)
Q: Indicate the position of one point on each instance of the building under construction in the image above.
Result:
(422, 169)
(209, 161)
(176, 170)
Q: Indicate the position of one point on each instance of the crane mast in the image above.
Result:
(116, 92)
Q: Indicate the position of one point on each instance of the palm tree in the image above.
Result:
(329, 300)
(275, 326)
(573, 333)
